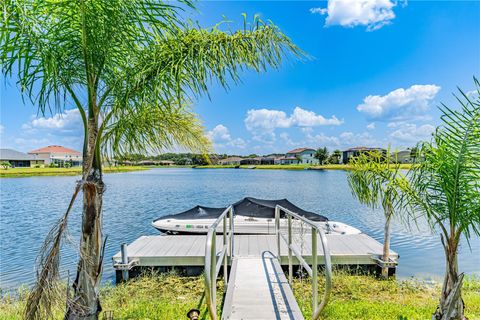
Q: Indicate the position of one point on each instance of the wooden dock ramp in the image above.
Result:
(258, 289)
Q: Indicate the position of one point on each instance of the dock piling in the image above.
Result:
(124, 261)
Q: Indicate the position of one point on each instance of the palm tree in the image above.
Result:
(373, 180)
(321, 154)
(335, 157)
(131, 68)
(444, 186)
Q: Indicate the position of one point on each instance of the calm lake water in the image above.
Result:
(29, 207)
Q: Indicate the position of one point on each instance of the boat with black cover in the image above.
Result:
(252, 216)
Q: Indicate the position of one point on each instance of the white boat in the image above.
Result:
(251, 216)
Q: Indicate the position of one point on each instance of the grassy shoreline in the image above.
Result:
(353, 297)
(34, 172)
(290, 167)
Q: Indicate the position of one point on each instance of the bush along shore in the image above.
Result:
(169, 296)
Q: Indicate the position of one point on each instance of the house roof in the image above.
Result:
(10, 154)
(363, 148)
(232, 159)
(300, 150)
(54, 149)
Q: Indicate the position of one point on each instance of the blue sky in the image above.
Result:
(377, 73)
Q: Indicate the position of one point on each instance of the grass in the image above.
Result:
(293, 167)
(365, 297)
(353, 297)
(30, 172)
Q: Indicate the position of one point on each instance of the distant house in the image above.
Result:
(355, 152)
(19, 159)
(303, 156)
(166, 163)
(404, 156)
(273, 158)
(251, 161)
(289, 160)
(230, 161)
(58, 155)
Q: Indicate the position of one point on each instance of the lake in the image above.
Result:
(30, 206)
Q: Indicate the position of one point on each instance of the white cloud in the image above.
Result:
(220, 136)
(286, 139)
(263, 122)
(411, 133)
(321, 11)
(371, 126)
(64, 128)
(350, 139)
(69, 121)
(351, 13)
(472, 94)
(323, 140)
(400, 104)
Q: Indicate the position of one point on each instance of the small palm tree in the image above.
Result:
(444, 186)
(131, 68)
(321, 154)
(372, 180)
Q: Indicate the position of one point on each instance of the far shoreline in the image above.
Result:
(74, 171)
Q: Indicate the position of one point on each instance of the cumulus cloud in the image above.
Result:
(68, 122)
(263, 122)
(220, 136)
(321, 139)
(64, 128)
(373, 14)
(371, 126)
(350, 139)
(411, 133)
(400, 104)
(472, 94)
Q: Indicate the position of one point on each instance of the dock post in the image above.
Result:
(290, 262)
(124, 261)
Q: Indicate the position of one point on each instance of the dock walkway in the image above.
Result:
(258, 289)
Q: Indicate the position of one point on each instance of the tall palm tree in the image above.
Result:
(131, 68)
(373, 181)
(444, 186)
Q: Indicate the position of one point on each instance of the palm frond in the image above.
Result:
(446, 183)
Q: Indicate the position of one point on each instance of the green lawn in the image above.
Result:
(353, 297)
(30, 172)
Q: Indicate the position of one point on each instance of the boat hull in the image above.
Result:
(247, 225)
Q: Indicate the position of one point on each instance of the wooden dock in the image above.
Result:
(189, 250)
(257, 286)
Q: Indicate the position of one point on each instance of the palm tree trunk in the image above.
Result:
(85, 303)
(386, 241)
(451, 303)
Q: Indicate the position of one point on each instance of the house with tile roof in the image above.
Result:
(300, 156)
(58, 155)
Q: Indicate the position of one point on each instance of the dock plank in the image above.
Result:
(273, 298)
(172, 250)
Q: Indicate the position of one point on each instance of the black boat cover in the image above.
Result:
(250, 207)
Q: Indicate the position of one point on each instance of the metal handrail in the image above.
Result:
(313, 271)
(212, 266)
